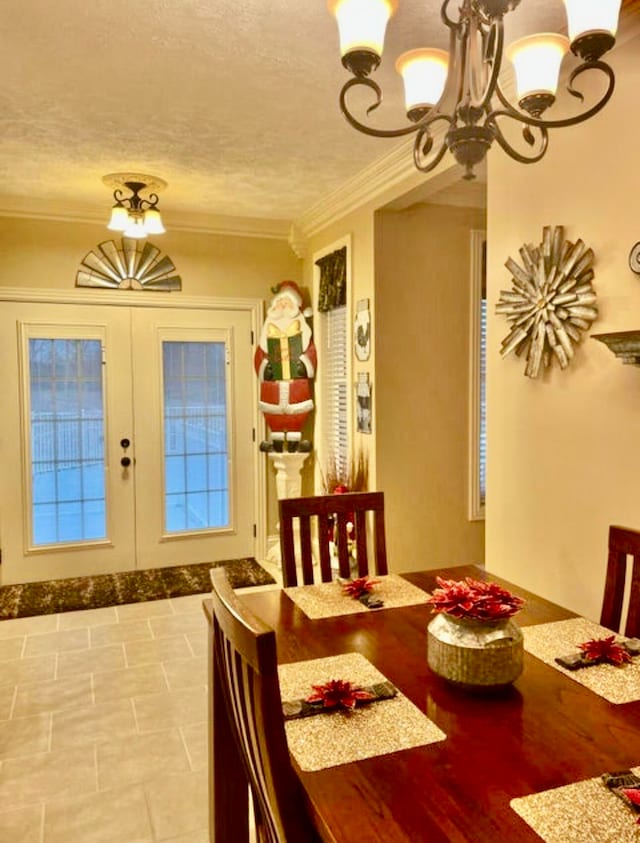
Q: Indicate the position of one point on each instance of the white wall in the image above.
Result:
(563, 450)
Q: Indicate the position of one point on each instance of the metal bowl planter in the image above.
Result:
(475, 654)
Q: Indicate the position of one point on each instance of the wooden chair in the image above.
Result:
(245, 666)
(623, 542)
(332, 513)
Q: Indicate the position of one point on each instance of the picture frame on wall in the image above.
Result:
(362, 330)
(363, 403)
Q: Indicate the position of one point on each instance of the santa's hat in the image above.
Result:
(290, 290)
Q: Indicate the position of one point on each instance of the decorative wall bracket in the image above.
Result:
(624, 344)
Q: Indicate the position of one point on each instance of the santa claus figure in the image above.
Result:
(285, 361)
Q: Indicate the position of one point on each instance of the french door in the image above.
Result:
(126, 439)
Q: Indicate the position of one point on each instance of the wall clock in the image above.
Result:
(551, 302)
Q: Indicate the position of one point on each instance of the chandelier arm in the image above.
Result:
(118, 196)
(511, 111)
(497, 40)
(152, 201)
(452, 24)
(512, 152)
(419, 150)
(361, 127)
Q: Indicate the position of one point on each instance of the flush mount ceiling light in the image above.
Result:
(133, 215)
(460, 88)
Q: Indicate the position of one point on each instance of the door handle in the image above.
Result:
(125, 462)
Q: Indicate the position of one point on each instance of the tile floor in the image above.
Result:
(103, 732)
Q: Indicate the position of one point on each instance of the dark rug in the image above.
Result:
(68, 595)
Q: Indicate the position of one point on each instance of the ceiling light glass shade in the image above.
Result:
(136, 228)
(424, 73)
(153, 222)
(592, 16)
(362, 23)
(536, 60)
(119, 218)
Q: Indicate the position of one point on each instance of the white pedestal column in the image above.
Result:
(288, 468)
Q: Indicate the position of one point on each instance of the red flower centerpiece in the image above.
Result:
(473, 640)
(474, 599)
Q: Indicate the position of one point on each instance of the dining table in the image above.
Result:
(542, 731)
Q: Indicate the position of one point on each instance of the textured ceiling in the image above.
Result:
(233, 102)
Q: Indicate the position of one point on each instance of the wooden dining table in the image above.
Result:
(544, 731)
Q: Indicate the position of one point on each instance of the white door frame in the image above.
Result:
(149, 299)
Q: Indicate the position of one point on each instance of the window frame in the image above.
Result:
(320, 329)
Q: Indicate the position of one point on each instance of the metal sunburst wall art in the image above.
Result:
(551, 302)
(128, 265)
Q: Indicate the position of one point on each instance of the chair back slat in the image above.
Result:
(339, 510)
(623, 542)
(245, 665)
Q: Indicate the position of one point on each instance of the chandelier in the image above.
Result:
(460, 89)
(133, 215)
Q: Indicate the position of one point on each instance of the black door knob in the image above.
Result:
(125, 462)
(125, 443)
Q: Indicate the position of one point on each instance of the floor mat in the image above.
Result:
(67, 595)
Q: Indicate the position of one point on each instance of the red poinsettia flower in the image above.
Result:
(633, 795)
(338, 693)
(356, 588)
(604, 650)
(474, 599)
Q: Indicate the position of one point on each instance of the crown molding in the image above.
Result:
(55, 211)
(368, 184)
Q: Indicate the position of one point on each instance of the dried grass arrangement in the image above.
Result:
(354, 478)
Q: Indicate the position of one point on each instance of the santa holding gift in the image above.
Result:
(285, 361)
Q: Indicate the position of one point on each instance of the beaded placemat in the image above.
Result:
(341, 737)
(546, 641)
(327, 600)
(584, 812)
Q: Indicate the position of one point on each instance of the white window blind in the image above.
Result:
(477, 380)
(334, 387)
(482, 438)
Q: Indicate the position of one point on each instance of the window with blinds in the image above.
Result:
(334, 387)
(477, 391)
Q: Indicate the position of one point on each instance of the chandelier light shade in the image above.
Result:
(362, 25)
(460, 90)
(424, 73)
(135, 216)
(536, 61)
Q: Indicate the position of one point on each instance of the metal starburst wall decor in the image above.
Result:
(551, 302)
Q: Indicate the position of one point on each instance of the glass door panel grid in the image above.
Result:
(196, 453)
(67, 440)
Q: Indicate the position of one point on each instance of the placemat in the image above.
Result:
(327, 600)
(584, 812)
(559, 638)
(340, 737)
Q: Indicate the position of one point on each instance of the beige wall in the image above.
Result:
(563, 452)
(421, 396)
(359, 228)
(36, 253)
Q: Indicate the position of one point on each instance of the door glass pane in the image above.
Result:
(67, 441)
(196, 459)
